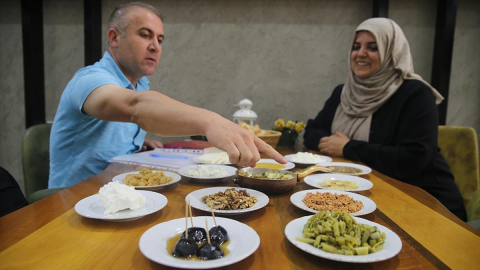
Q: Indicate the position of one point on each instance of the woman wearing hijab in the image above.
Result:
(385, 115)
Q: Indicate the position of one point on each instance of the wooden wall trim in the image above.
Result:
(443, 52)
(93, 31)
(380, 8)
(33, 62)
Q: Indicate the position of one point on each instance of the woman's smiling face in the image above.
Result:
(364, 58)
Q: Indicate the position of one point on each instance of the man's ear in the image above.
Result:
(113, 35)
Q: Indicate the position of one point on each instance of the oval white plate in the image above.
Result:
(243, 242)
(392, 245)
(92, 207)
(229, 169)
(306, 164)
(196, 200)
(365, 169)
(288, 166)
(315, 179)
(202, 162)
(368, 205)
(119, 178)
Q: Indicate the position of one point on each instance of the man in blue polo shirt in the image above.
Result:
(106, 109)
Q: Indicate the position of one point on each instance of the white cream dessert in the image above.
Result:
(206, 171)
(116, 197)
(305, 157)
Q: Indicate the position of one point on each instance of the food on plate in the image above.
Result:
(204, 247)
(206, 171)
(338, 184)
(185, 247)
(199, 235)
(210, 251)
(147, 177)
(271, 175)
(270, 165)
(231, 199)
(218, 234)
(116, 197)
(305, 157)
(255, 129)
(339, 233)
(332, 202)
(190, 248)
(214, 158)
(344, 169)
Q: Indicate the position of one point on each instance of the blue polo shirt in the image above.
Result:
(82, 145)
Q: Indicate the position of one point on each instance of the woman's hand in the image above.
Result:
(151, 144)
(333, 145)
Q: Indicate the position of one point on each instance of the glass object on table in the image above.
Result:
(245, 113)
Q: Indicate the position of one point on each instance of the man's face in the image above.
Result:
(140, 47)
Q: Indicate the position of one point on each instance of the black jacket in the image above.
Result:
(402, 142)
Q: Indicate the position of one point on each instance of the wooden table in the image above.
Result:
(49, 234)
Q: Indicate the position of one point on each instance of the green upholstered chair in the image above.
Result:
(35, 161)
(473, 207)
(473, 210)
(459, 146)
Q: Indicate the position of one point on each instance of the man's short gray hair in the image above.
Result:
(117, 19)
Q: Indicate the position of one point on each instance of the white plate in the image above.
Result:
(196, 200)
(229, 169)
(288, 166)
(315, 179)
(365, 169)
(119, 178)
(243, 242)
(368, 205)
(202, 162)
(306, 164)
(92, 207)
(392, 245)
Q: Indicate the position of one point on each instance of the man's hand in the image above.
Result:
(242, 146)
(334, 144)
(151, 144)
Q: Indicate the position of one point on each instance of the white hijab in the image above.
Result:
(362, 97)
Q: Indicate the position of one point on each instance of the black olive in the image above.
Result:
(210, 251)
(198, 234)
(185, 248)
(218, 235)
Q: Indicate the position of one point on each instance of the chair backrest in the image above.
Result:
(36, 157)
(459, 146)
(473, 207)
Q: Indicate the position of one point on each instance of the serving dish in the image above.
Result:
(208, 179)
(264, 162)
(245, 178)
(316, 179)
(392, 246)
(243, 242)
(368, 205)
(363, 169)
(306, 164)
(196, 202)
(92, 207)
(119, 178)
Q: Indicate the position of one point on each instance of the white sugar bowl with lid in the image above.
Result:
(245, 113)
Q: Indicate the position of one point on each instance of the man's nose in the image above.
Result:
(154, 46)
